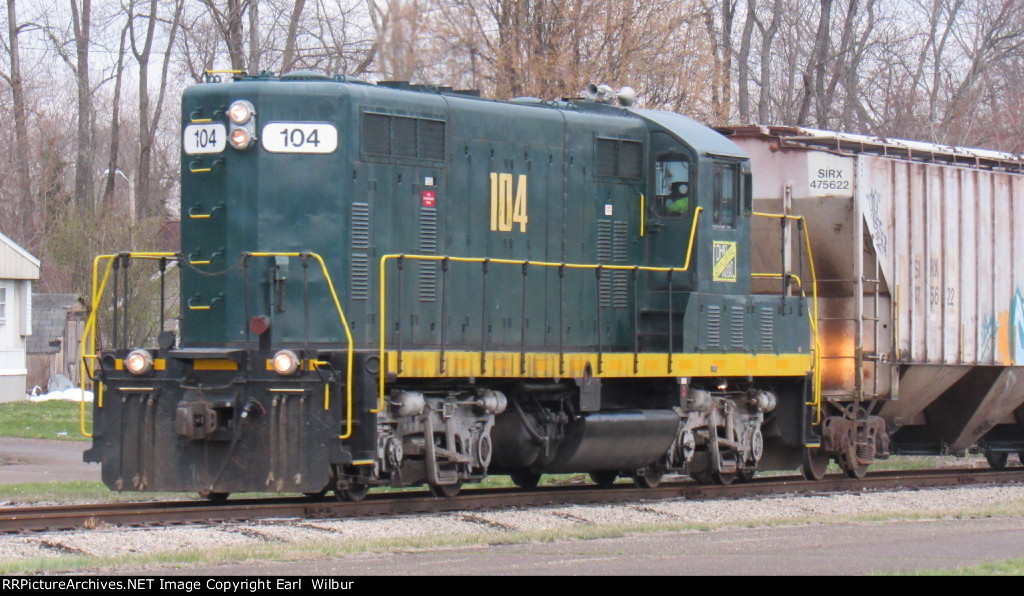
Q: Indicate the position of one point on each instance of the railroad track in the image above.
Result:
(69, 517)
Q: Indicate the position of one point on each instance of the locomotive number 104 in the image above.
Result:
(508, 204)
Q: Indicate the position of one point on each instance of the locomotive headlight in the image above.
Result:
(240, 138)
(286, 362)
(139, 362)
(241, 112)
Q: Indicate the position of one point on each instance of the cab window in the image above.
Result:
(726, 191)
(672, 188)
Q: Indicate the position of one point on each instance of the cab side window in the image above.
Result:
(672, 188)
(726, 192)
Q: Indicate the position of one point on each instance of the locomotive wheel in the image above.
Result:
(815, 464)
(525, 480)
(354, 493)
(997, 460)
(727, 478)
(649, 480)
(445, 491)
(604, 478)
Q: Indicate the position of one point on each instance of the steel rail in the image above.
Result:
(70, 517)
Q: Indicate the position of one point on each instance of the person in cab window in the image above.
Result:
(672, 186)
(678, 201)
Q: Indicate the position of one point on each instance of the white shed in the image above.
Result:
(18, 269)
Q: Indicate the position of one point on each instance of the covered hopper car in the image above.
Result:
(398, 285)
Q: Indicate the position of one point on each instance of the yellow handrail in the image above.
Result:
(799, 282)
(814, 318)
(344, 324)
(383, 289)
(89, 333)
(643, 213)
(99, 287)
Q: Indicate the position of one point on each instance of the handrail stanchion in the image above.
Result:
(816, 340)
(89, 334)
(344, 324)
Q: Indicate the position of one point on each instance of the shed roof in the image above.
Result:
(49, 315)
(16, 262)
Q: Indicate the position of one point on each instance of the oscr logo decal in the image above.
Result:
(725, 261)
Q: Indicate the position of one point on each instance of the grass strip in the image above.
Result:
(44, 420)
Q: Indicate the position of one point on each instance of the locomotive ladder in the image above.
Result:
(864, 357)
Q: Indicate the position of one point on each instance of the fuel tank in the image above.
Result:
(594, 442)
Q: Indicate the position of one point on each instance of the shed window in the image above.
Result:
(3, 305)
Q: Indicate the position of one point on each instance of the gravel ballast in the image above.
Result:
(573, 521)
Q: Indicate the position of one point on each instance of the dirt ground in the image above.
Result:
(42, 460)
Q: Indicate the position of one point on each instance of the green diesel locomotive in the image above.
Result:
(399, 285)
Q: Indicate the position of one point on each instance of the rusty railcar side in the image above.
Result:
(921, 275)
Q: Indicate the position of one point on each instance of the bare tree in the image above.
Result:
(288, 57)
(72, 43)
(743, 62)
(720, 30)
(81, 18)
(149, 115)
(22, 228)
(398, 37)
(110, 175)
(550, 49)
(228, 19)
(767, 39)
(275, 35)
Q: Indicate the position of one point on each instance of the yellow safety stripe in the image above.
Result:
(214, 364)
(427, 364)
(585, 266)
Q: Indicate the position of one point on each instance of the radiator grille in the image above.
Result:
(403, 136)
(613, 249)
(767, 328)
(428, 246)
(619, 158)
(604, 256)
(714, 327)
(360, 243)
(737, 321)
(620, 256)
